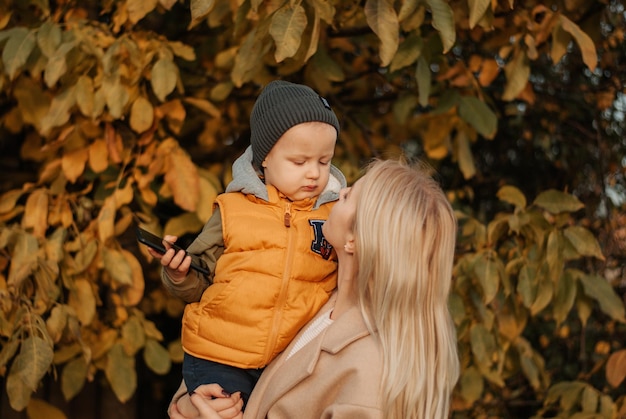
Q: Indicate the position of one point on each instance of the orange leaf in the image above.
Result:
(183, 180)
(616, 368)
(73, 163)
(98, 156)
(36, 212)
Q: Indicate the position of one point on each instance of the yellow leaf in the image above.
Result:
(98, 156)
(249, 58)
(182, 224)
(73, 163)
(382, 18)
(57, 65)
(512, 195)
(517, 72)
(487, 274)
(138, 9)
(477, 9)
(32, 101)
(83, 301)
(132, 295)
(117, 266)
(9, 199)
(208, 193)
(286, 28)
(183, 180)
(205, 106)
(56, 322)
(106, 219)
(40, 409)
(557, 202)
(314, 37)
(443, 21)
(85, 96)
(464, 155)
(36, 212)
(584, 41)
(141, 115)
(164, 76)
(200, 9)
(583, 241)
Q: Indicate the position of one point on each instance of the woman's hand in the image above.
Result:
(212, 402)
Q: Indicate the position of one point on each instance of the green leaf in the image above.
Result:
(512, 195)
(600, 290)
(483, 344)
(557, 202)
(464, 155)
(164, 76)
(486, 271)
(17, 50)
(33, 361)
(157, 357)
(476, 113)
(133, 336)
(471, 385)
(564, 297)
(443, 21)
(383, 20)
(589, 400)
(48, 38)
(288, 24)
(200, 9)
(583, 241)
(121, 373)
(423, 78)
(408, 53)
(73, 377)
(526, 285)
(584, 41)
(57, 65)
(568, 392)
(477, 9)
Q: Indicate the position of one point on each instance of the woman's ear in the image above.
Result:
(349, 246)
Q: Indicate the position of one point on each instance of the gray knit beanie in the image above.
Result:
(280, 106)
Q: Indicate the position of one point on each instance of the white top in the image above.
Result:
(317, 327)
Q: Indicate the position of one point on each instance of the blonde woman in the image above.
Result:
(384, 345)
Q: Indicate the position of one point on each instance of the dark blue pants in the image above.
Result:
(198, 371)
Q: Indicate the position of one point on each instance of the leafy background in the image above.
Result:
(122, 112)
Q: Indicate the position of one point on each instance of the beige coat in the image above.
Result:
(337, 375)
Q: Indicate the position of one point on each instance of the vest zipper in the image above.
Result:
(288, 215)
(282, 295)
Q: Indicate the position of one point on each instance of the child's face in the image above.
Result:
(299, 163)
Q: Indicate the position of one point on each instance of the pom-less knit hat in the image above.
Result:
(280, 106)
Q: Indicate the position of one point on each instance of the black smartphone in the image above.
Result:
(156, 243)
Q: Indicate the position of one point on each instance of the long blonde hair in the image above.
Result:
(405, 233)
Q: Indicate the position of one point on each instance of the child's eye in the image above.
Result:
(325, 163)
(298, 163)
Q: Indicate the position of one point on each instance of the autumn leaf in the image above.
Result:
(164, 75)
(476, 113)
(21, 43)
(477, 9)
(443, 21)
(141, 115)
(287, 26)
(584, 41)
(157, 357)
(83, 301)
(557, 202)
(73, 163)
(138, 9)
(512, 195)
(73, 377)
(616, 368)
(182, 179)
(200, 9)
(382, 18)
(38, 408)
(120, 372)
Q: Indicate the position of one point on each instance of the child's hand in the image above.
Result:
(175, 263)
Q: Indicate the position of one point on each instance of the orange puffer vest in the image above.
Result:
(276, 272)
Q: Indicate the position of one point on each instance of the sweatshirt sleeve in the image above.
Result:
(209, 246)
